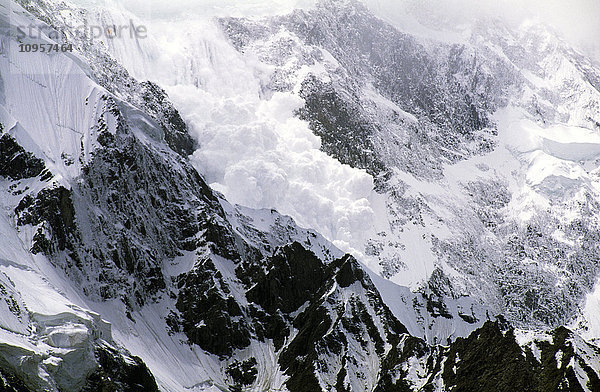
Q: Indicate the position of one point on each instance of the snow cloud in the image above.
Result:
(576, 20)
(259, 155)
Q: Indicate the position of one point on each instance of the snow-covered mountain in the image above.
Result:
(484, 150)
(154, 193)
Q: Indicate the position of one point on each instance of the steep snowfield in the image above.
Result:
(46, 111)
(588, 324)
(49, 104)
(45, 102)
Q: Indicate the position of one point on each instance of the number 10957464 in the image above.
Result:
(45, 48)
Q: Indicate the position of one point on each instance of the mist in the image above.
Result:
(577, 21)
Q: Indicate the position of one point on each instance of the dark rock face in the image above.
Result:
(53, 209)
(400, 67)
(118, 373)
(148, 206)
(16, 163)
(11, 383)
(491, 360)
(242, 373)
(394, 370)
(292, 290)
(437, 289)
(134, 206)
(156, 103)
(210, 315)
(345, 134)
(295, 275)
(327, 329)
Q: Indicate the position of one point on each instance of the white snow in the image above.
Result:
(50, 113)
(590, 317)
